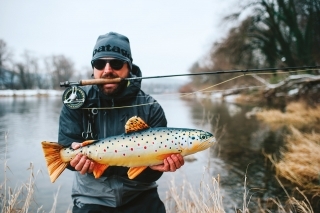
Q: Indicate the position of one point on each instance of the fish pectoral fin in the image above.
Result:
(135, 171)
(99, 169)
(88, 142)
(135, 124)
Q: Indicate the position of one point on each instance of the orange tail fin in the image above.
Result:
(54, 163)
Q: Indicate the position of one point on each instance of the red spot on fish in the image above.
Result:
(124, 154)
(131, 149)
(138, 144)
(115, 151)
(155, 150)
(152, 142)
(165, 145)
(104, 150)
(145, 147)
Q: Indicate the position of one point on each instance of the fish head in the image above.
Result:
(196, 141)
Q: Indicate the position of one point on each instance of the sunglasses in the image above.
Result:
(115, 64)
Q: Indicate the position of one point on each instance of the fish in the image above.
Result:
(139, 147)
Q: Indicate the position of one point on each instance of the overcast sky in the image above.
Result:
(166, 36)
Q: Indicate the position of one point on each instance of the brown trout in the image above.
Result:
(138, 148)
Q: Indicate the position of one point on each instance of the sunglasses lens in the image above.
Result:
(99, 64)
(115, 64)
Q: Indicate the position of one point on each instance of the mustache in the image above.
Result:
(109, 76)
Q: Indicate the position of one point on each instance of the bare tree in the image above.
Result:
(274, 33)
(60, 68)
(286, 32)
(28, 71)
(6, 75)
(5, 53)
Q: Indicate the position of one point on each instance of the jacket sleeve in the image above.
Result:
(70, 128)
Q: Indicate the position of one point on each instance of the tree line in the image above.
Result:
(274, 33)
(32, 72)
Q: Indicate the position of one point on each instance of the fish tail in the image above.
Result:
(53, 159)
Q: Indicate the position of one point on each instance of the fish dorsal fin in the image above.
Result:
(135, 124)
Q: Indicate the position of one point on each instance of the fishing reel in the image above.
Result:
(74, 97)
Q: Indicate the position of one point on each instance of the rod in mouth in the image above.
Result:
(90, 82)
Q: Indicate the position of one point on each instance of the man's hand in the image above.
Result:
(170, 164)
(81, 163)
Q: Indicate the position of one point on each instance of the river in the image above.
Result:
(237, 157)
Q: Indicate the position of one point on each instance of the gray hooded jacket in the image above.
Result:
(113, 188)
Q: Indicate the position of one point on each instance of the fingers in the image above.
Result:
(170, 164)
(175, 162)
(82, 164)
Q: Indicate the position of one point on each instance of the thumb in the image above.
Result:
(75, 145)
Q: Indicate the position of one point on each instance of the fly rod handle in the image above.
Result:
(100, 81)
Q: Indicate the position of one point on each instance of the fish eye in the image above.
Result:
(203, 137)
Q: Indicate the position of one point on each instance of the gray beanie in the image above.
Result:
(113, 45)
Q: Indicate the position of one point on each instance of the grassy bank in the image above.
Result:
(299, 160)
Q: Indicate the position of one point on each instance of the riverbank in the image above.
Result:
(299, 160)
(30, 93)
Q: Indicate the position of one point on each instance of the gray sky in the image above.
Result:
(166, 36)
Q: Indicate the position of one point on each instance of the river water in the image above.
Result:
(237, 157)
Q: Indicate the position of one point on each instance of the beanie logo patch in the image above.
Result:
(109, 48)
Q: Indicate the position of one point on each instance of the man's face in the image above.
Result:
(108, 73)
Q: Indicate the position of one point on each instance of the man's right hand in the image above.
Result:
(81, 162)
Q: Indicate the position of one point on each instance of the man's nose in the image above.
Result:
(107, 68)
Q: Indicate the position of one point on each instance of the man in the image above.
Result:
(106, 110)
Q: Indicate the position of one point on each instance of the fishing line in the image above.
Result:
(244, 73)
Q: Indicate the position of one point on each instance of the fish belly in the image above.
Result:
(133, 150)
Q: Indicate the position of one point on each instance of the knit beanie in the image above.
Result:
(113, 45)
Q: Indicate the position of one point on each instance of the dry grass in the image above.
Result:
(300, 161)
(208, 199)
(20, 199)
(185, 198)
(300, 158)
(298, 115)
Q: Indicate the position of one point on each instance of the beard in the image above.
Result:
(112, 89)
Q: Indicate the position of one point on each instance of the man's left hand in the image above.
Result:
(170, 164)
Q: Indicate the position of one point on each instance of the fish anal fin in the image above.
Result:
(135, 124)
(88, 142)
(99, 169)
(135, 171)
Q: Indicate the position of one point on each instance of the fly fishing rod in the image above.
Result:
(118, 80)
(74, 97)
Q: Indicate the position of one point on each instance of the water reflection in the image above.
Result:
(28, 121)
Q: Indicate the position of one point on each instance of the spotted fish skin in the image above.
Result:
(138, 148)
(144, 148)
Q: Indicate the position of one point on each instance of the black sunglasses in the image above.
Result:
(115, 64)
